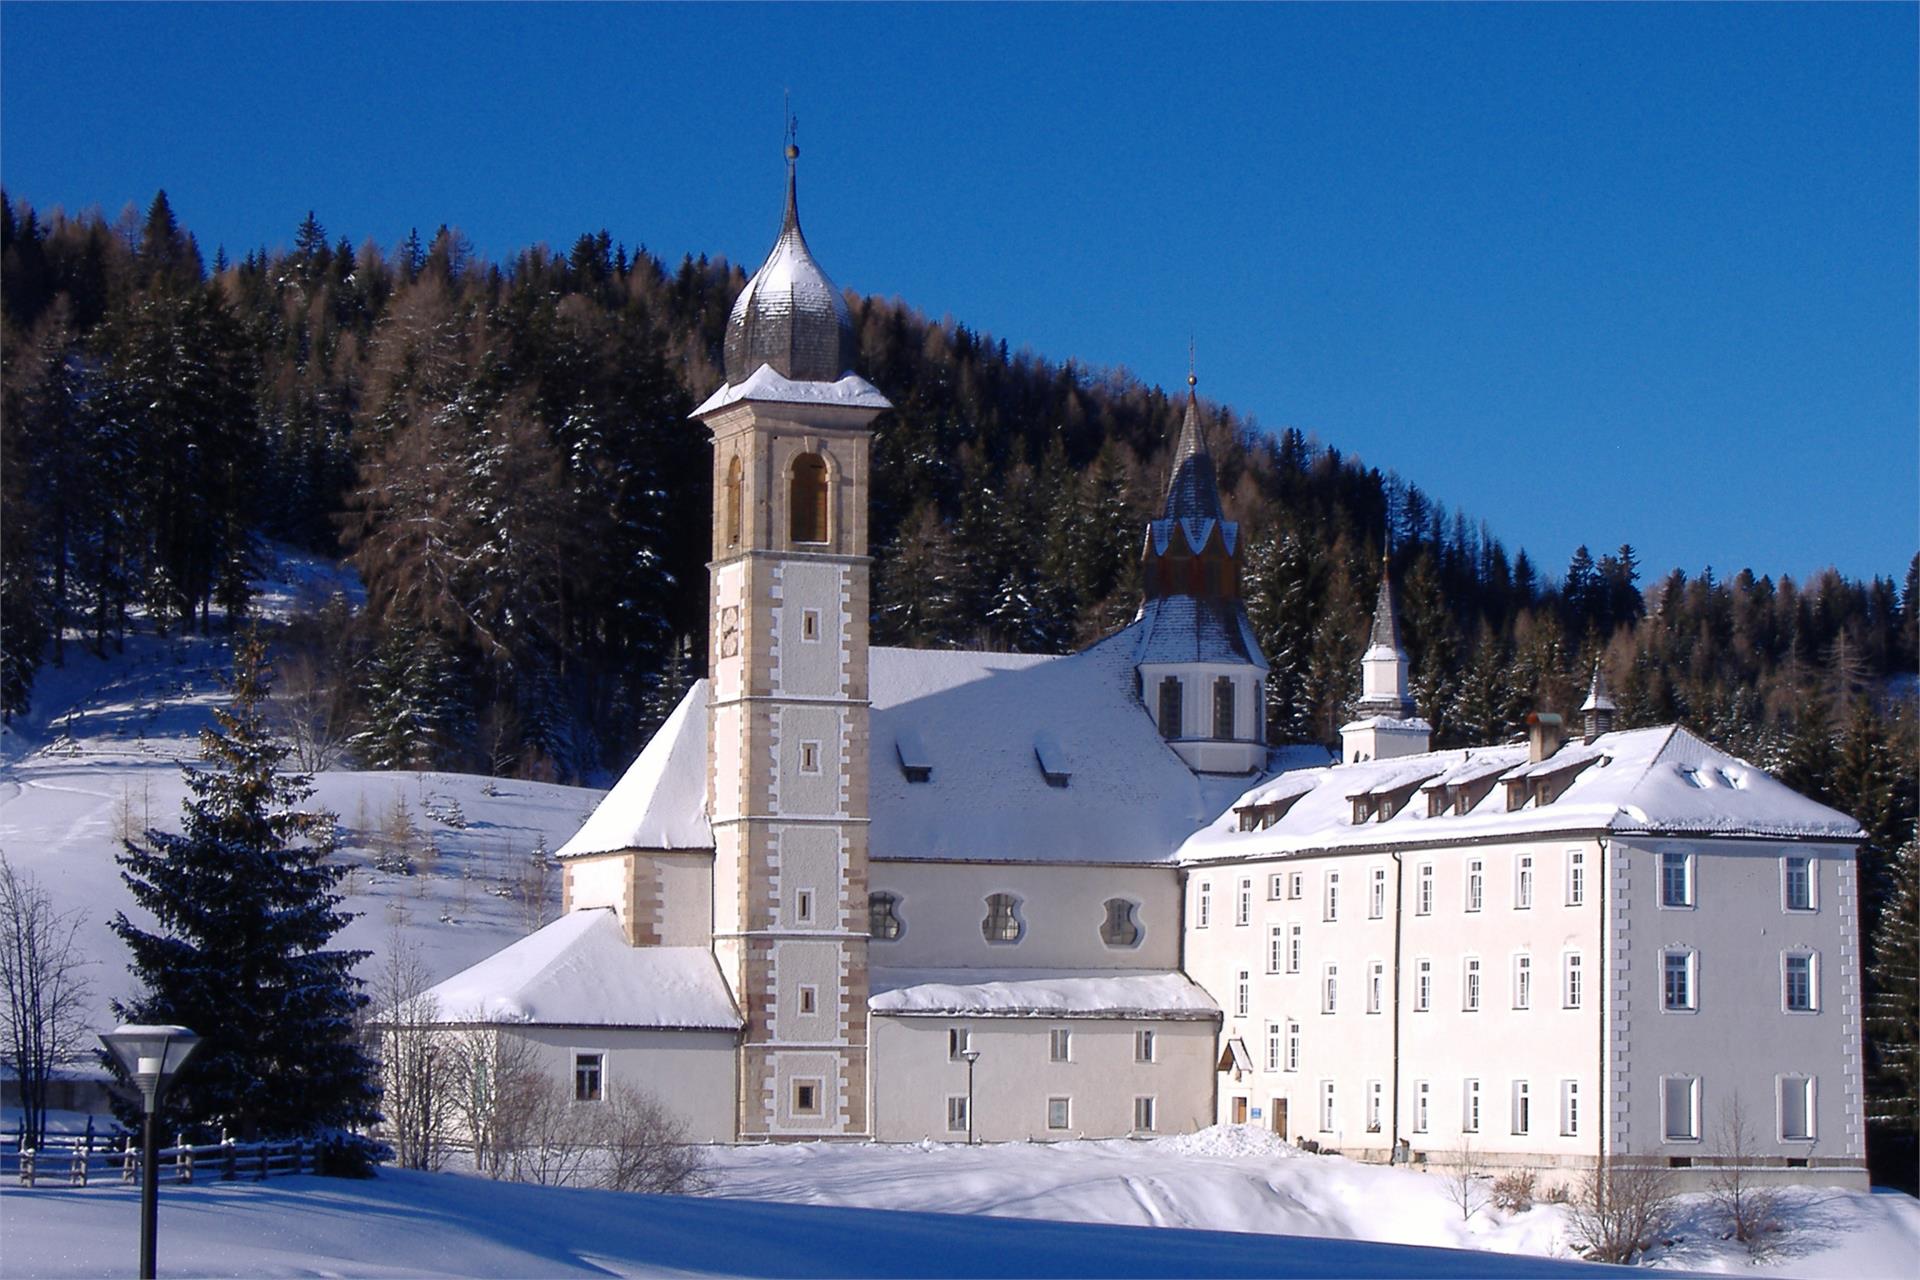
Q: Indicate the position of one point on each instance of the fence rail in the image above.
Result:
(79, 1162)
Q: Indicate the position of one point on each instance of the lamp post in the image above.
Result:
(972, 1056)
(151, 1056)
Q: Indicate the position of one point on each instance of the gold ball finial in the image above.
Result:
(1192, 381)
(793, 152)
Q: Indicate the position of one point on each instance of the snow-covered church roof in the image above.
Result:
(1660, 781)
(579, 971)
(1039, 993)
(660, 801)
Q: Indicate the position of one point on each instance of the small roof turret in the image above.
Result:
(1599, 707)
(790, 316)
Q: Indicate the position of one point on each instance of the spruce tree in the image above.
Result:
(1893, 1002)
(245, 905)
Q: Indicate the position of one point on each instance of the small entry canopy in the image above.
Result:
(1235, 1058)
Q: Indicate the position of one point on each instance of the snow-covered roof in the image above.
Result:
(1641, 781)
(579, 971)
(1039, 993)
(660, 802)
(766, 385)
(1183, 628)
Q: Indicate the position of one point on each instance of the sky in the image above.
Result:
(1593, 274)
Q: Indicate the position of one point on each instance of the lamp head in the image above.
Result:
(150, 1055)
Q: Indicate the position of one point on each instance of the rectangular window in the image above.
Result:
(1376, 986)
(1293, 1046)
(1276, 947)
(957, 1113)
(1676, 980)
(1203, 906)
(1223, 708)
(1797, 981)
(809, 757)
(1796, 883)
(1243, 903)
(806, 1097)
(1522, 1107)
(1170, 709)
(959, 1040)
(1293, 948)
(1569, 1108)
(1059, 1113)
(1240, 993)
(1329, 988)
(1143, 1046)
(1273, 1046)
(1679, 1108)
(1796, 1108)
(1476, 883)
(1571, 987)
(1422, 1100)
(810, 625)
(1326, 1106)
(1470, 1108)
(587, 1076)
(1576, 877)
(1523, 982)
(1523, 883)
(1060, 1045)
(1294, 880)
(1376, 1099)
(1423, 986)
(1470, 986)
(1333, 895)
(803, 905)
(1143, 1115)
(1676, 880)
(1423, 893)
(809, 999)
(1274, 883)
(1377, 897)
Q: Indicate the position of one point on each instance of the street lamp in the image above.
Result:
(150, 1056)
(972, 1056)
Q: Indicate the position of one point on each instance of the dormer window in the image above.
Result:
(1223, 708)
(808, 499)
(915, 763)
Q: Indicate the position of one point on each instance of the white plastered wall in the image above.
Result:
(690, 1073)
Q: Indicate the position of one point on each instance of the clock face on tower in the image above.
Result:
(729, 631)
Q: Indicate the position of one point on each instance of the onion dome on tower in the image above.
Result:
(790, 317)
(1202, 674)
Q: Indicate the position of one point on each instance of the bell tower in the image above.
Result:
(788, 744)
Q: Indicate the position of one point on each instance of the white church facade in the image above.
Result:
(871, 893)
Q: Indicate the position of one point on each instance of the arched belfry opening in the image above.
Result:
(807, 500)
(732, 500)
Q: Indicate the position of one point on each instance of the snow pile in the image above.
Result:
(1039, 993)
(1233, 1142)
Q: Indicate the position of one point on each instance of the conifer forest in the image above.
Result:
(503, 453)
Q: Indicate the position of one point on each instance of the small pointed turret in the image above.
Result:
(1386, 724)
(1599, 706)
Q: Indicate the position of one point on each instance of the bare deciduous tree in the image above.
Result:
(1751, 1209)
(309, 711)
(1623, 1206)
(43, 979)
(1467, 1185)
(417, 1100)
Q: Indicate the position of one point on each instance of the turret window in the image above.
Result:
(733, 501)
(809, 499)
(1170, 707)
(1223, 708)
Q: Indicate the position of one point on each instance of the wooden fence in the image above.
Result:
(79, 1162)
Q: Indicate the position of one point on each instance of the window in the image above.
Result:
(1276, 947)
(1797, 981)
(1143, 1115)
(1376, 986)
(1470, 986)
(1223, 708)
(1293, 1046)
(1522, 1107)
(1680, 1108)
(1470, 1108)
(1060, 1045)
(1294, 880)
(1676, 980)
(1330, 988)
(803, 905)
(1143, 1046)
(809, 499)
(1003, 921)
(1059, 1113)
(809, 757)
(957, 1113)
(1796, 883)
(1170, 707)
(1422, 986)
(1377, 899)
(959, 1040)
(806, 1097)
(1273, 1046)
(1569, 1108)
(809, 999)
(1326, 1106)
(1423, 892)
(883, 916)
(1796, 1108)
(1422, 1105)
(1243, 903)
(1676, 880)
(1376, 1096)
(1240, 994)
(1203, 906)
(733, 501)
(1274, 883)
(810, 625)
(1523, 883)
(1476, 883)
(1523, 982)
(1570, 988)
(1120, 928)
(1576, 877)
(1293, 948)
(1333, 895)
(588, 1076)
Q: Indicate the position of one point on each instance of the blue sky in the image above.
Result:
(1594, 274)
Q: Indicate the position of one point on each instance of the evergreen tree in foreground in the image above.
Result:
(1893, 1010)
(244, 897)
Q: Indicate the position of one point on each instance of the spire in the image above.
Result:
(1386, 617)
(1192, 491)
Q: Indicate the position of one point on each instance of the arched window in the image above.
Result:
(1003, 919)
(808, 499)
(733, 501)
(1120, 928)
(883, 916)
(1223, 708)
(1170, 709)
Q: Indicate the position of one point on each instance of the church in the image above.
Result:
(857, 892)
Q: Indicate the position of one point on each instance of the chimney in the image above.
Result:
(1545, 734)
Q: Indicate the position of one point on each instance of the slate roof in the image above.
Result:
(1193, 491)
(1190, 629)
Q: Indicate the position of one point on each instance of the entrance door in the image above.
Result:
(1280, 1116)
(1239, 1110)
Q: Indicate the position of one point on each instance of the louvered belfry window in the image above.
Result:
(809, 499)
(1223, 708)
(1170, 708)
